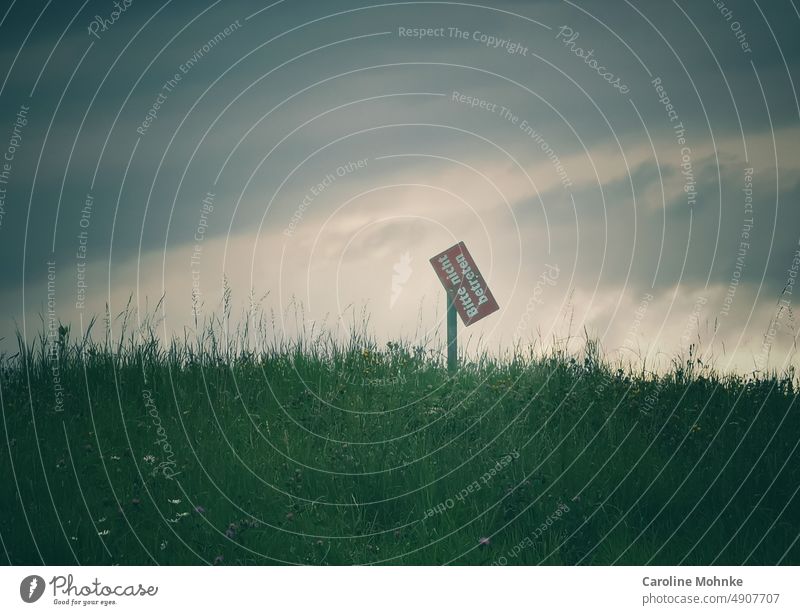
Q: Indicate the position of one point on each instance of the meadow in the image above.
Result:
(217, 449)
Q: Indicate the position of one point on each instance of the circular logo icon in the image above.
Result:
(31, 588)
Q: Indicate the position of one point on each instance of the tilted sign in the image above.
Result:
(460, 275)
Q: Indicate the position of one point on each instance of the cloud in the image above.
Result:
(549, 167)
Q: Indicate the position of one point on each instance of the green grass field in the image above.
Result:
(319, 452)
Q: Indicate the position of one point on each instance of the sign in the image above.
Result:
(461, 278)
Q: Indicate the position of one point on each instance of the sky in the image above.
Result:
(625, 170)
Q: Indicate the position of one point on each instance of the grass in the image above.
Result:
(228, 449)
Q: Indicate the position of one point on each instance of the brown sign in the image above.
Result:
(459, 274)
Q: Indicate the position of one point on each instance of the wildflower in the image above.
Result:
(174, 501)
(218, 560)
(149, 458)
(199, 510)
(115, 458)
(695, 428)
(104, 532)
(163, 545)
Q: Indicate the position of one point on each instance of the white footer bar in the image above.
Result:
(400, 590)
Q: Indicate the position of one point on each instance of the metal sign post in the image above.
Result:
(452, 331)
(467, 294)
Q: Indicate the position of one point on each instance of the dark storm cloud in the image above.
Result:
(728, 72)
